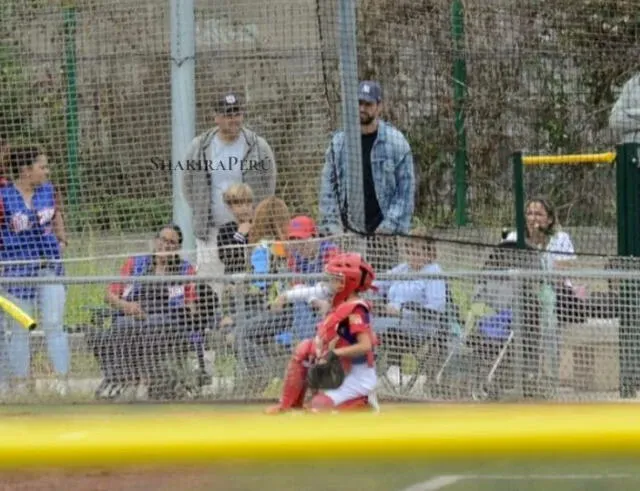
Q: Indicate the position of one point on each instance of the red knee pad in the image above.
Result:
(304, 350)
(321, 402)
(356, 404)
(295, 378)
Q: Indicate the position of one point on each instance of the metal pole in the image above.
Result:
(348, 53)
(518, 190)
(459, 96)
(622, 178)
(71, 112)
(183, 108)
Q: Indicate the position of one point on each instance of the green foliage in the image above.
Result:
(12, 93)
(124, 214)
(541, 78)
(435, 195)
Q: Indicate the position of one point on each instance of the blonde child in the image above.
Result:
(233, 236)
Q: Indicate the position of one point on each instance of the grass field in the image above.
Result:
(418, 476)
(331, 472)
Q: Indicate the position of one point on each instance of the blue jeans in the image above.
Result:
(136, 349)
(50, 303)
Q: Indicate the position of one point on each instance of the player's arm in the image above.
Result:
(115, 291)
(190, 293)
(362, 347)
(360, 328)
(126, 307)
(319, 291)
(59, 228)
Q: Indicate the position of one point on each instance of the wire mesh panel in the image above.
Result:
(464, 83)
(317, 127)
(453, 323)
(592, 226)
(89, 83)
(468, 83)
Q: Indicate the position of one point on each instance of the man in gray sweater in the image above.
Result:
(624, 119)
(223, 155)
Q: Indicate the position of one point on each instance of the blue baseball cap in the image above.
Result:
(369, 91)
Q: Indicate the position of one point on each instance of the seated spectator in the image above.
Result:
(254, 326)
(292, 313)
(143, 301)
(307, 255)
(233, 236)
(492, 311)
(269, 231)
(414, 306)
(414, 310)
(148, 316)
(543, 232)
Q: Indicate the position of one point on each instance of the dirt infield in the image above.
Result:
(108, 480)
(229, 478)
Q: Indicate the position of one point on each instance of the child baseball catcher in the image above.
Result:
(338, 365)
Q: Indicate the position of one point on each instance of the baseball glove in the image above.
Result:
(326, 373)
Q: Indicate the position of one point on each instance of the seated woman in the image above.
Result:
(149, 318)
(267, 252)
(544, 233)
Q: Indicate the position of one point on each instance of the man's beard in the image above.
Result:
(366, 119)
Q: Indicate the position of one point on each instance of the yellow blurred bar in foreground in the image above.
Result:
(426, 432)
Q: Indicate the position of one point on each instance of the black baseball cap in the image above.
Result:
(229, 102)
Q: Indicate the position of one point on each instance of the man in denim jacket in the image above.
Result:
(387, 168)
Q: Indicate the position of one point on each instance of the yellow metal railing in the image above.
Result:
(587, 158)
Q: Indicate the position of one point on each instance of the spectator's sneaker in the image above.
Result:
(110, 390)
(20, 389)
(204, 378)
(627, 392)
(104, 389)
(61, 387)
(394, 375)
(123, 391)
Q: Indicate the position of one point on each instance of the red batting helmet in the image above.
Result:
(357, 275)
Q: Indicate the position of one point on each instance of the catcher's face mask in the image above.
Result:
(336, 283)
